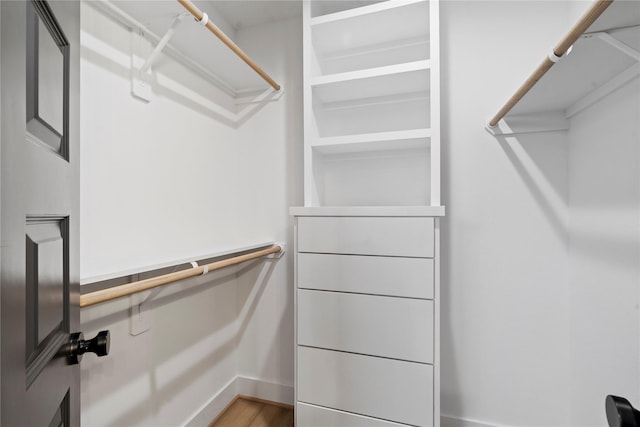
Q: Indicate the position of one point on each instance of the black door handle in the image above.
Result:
(78, 346)
(620, 413)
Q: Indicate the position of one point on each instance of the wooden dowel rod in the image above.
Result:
(560, 49)
(193, 9)
(109, 294)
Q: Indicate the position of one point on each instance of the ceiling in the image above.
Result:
(246, 13)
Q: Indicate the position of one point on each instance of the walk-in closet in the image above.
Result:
(320, 213)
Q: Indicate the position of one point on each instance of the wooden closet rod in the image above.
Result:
(109, 294)
(561, 48)
(197, 13)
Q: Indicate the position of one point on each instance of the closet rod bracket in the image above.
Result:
(556, 58)
(163, 42)
(283, 249)
(141, 85)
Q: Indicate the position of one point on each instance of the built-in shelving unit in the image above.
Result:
(371, 80)
(367, 239)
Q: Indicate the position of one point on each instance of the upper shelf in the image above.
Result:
(377, 24)
(593, 64)
(191, 43)
(392, 32)
(375, 82)
(603, 59)
(328, 7)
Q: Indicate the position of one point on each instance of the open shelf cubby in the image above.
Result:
(371, 82)
(387, 33)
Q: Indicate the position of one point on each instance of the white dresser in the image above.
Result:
(367, 311)
(367, 239)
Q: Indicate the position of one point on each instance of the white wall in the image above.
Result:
(541, 240)
(272, 148)
(505, 318)
(167, 180)
(604, 201)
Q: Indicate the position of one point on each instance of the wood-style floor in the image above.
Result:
(246, 412)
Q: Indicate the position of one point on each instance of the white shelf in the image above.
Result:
(368, 211)
(382, 24)
(328, 7)
(375, 82)
(215, 253)
(577, 76)
(219, 64)
(381, 141)
(363, 11)
(592, 70)
(373, 115)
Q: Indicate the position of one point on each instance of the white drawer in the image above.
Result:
(315, 416)
(399, 328)
(396, 236)
(382, 388)
(395, 276)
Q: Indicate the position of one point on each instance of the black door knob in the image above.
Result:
(620, 413)
(79, 346)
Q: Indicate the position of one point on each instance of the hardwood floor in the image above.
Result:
(249, 412)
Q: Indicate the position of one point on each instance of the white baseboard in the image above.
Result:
(251, 387)
(254, 387)
(211, 409)
(451, 421)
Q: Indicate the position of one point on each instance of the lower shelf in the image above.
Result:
(381, 141)
(373, 178)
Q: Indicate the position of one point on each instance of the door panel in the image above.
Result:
(39, 212)
(47, 79)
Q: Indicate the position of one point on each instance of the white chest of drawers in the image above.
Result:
(367, 318)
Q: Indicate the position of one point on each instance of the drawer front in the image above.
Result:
(402, 277)
(315, 416)
(399, 328)
(382, 388)
(397, 236)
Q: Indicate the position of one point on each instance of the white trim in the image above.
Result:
(360, 11)
(367, 211)
(436, 326)
(245, 386)
(435, 100)
(451, 421)
(211, 409)
(259, 389)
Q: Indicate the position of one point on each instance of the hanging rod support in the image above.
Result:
(623, 47)
(163, 42)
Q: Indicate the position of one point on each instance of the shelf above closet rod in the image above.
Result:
(558, 52)
(198, 14)
(115, 292)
